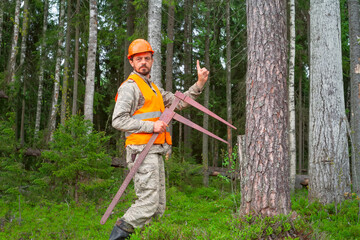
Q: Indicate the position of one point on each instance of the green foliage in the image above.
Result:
(12, 172)
(76, 159)
(338, 221)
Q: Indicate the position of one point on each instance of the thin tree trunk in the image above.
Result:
(170, 54)
(24, 33)
(154, 37)
(130, 27)
(13, 53)
(91, 61)
(170, 48)
(66, 66)
(300, 123)
(76, 60)
(291, 102)
(205, 138)
(354, 26)
(265, 170)
(41, 71)
(187, 70)
(328, 147)
(228, 82)
(1, 21)
(59, 55)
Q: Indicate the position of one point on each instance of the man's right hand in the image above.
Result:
(159, 126)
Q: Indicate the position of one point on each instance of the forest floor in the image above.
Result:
(192, 213)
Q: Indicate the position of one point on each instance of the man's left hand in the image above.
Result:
(203, 75)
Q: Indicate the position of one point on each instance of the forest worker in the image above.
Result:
(139, 103)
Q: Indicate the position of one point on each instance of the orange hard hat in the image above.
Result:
(139, 46)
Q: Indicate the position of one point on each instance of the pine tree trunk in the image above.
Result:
(64, 89)
(76, 61)
(91, 62)
(354, 27)
(170, 48)
(170, 54)
(24, 34)
(41, 71)
(228, 82)
(300, 123)
(187, 71)
(1, 21)
(154, 37)
(292, 130)
(265, 170)
(205, 138)
(59, 55)
(130, 27)
(13, 53)
(328, 147)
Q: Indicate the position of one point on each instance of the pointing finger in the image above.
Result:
(198, 65)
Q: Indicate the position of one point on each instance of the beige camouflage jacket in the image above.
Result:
(130, 99)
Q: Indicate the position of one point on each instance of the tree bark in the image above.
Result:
(265, 172)
(291, 102)
(328, 147)
(66, 65)
(170, 54)
(24, 33)
(354, 27)
(154, 36)
(1, 21)
(300, 122)
(76, 61)
(205, 138)
(13, 53)
(187, 71)
(228, 83)
(91, 62)
(170, 47)
(41, 71)
(59, 55)
(130, 27)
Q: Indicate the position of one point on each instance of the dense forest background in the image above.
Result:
(48, 151)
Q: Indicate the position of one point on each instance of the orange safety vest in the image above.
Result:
(150, 111)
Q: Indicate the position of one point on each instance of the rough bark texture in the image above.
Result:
(265, 169)
(154, 36)
(59, 55)
(91, 62)
(205, 138)
(12, 60)
(292, 129)
(354, 26)
(41, 71)
(64, 89)
(76, 61)
(328, 146)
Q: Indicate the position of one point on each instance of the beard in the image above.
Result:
(144, 70)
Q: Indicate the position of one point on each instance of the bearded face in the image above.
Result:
(142, 63)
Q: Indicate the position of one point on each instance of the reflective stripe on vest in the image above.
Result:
(150, 111)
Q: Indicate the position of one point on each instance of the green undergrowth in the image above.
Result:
(192, 213)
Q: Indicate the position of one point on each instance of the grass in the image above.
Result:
(192, 213)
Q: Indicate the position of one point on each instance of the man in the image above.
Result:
(139, 104)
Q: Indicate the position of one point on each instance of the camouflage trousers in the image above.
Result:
(149, 184)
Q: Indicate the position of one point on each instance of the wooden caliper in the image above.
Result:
(166, 117)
